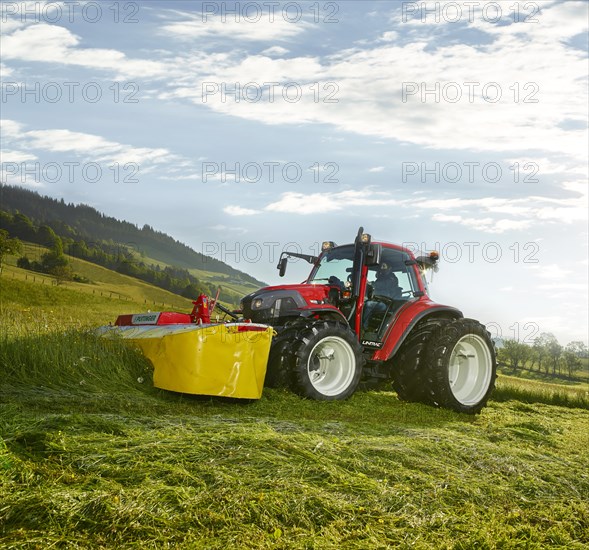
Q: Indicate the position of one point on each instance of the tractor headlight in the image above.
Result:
(366, 238)
(327, 245)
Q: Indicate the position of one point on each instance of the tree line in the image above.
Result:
(105, 253)
(82, 222)
(545, 355)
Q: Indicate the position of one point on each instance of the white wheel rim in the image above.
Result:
(331, 365)
(471, 369)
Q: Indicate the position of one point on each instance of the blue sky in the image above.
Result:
(243, 128)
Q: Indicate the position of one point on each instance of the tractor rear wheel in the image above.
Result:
(409, 368)
(326, 361)
(461, 366)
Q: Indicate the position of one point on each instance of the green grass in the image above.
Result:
(534, 391)
(93, 456)
(105, 282)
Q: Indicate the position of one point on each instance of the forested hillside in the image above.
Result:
(82, 222)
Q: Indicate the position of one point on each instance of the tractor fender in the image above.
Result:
(408, 317)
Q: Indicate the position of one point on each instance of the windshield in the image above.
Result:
(338, 263)
(335, 263)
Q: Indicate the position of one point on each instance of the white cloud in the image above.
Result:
(46, 43)
(16, 156)
(239, 211)
(377, 169)
(5, 71)
(316, 203)
(389, 36)
(486, 214)
(85, 146)
(277, 51)
(268, 28)
(543, 85)
(366, 83)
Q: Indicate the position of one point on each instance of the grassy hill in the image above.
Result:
(99, 302)
(92, 456)
(82, 222)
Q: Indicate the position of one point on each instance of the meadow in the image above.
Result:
(93, 456)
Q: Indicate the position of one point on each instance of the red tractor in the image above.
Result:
(364, 315)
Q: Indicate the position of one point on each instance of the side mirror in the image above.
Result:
(282, 266)
(373, 255)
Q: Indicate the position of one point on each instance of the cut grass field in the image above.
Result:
(92, 456)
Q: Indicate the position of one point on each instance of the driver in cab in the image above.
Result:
(386, 283)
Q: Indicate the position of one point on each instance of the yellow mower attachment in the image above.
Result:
(218, 359)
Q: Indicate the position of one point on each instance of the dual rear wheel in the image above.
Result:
(449, 364)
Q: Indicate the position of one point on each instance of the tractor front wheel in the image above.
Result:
(326, 361)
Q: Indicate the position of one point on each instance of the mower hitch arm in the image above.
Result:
(227, 311)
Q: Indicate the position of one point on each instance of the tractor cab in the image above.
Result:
(388, 281)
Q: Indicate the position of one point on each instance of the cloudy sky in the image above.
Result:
(244, 128)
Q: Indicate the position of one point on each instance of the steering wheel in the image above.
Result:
(382, 298)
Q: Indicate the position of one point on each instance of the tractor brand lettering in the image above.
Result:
(462, 12)
(145, 319)
(455, 92)
(454, 172)
(270, 92)
(69, 92)
(271, 172)
(269, 12)
(70, 12)
(72, 172)
(372, 344)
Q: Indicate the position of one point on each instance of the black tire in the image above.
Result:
(335, 374)
(409, 364)
(461, 366)
(279, 370)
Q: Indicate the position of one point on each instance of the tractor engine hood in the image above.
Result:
(273, 302)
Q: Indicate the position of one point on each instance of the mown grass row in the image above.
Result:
(511, 388)
(92, 456)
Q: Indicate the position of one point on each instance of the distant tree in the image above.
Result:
(555, 352)
(540, 349)
(514, 353)
(8, 246)
(46, 236)
(55, 263)
(191, 291)
(546, 349)
(79, 249)
(572, 356)
(62, 273)
(23, 227)
(23, 262)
